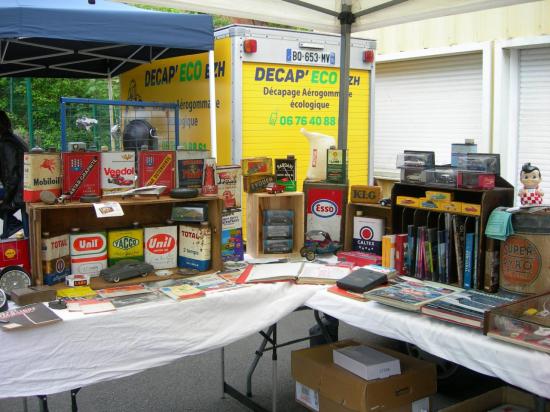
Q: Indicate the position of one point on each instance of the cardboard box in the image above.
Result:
(408, 201)
(257, 166)
(365, 194)
(439, 196)
(366, 362)
(494, 398)
(257, 184)
(455, 207)
(471, 209)
(340, 390)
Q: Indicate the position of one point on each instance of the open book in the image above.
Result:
(301, 272)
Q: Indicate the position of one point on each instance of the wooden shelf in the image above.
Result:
(60, 218)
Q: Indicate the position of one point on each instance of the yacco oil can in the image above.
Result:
(56, 258)
(88, 252)
(161, 246)
(81, 173)
(118, 171)
(195, 246)
(125, 244)
(41, 171)
(156, 167)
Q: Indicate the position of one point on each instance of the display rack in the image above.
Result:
(402, 216)
(60, 218)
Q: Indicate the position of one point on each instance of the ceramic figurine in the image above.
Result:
(530, 177)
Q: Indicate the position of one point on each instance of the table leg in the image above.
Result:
(74, 405)
(256, 359)
(25, 404)
(274, 376)
(222, 358)
(540, 403)
(43, 403)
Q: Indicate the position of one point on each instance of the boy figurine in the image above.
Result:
(530, 177)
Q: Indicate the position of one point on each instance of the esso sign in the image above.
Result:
(324, 208)
(366, 233)
(161, 244)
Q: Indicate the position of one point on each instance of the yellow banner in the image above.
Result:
(184, 80)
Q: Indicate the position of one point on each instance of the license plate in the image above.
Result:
(310, 56)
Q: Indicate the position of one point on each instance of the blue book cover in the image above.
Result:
(468, 260)
(410, 250)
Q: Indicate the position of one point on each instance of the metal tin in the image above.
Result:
(81, 173)
(118, 171)
(189, 165)
(161, 246)
(326, 208)
(257, 166)
(337, 166)
(56, 258)
(232, 236)
(156, 167)
(367, 235)
(285, 173)
(228, 179)
(195, 243)
(125, 244)
(257, 184)
(41, 171)
(88, 252)
(209, 187)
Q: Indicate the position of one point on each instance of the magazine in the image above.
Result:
(28, 316)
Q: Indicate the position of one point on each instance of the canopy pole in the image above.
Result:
(28, 89)
(111, 116)
(346, 18)
(212, 87)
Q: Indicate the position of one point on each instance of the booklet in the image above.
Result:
(28, 316)
(182, 292)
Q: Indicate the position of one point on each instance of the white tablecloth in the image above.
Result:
(525, 368)
(87, 349)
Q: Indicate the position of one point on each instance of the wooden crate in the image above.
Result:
(376, 211)
(59, 219)
(255, 205)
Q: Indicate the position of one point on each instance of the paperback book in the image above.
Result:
(28, 316)
(182, 292)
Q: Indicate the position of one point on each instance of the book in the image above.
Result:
(468, 260)
(476, 279)
(310, 273)
(442, 255)
(401, 253)
(96, 306)
(409, 293)
(29, 316)
(366, 362)
(347, 294)
(448, 251)
(124, 301)
(459, 223)
(361, 280)
(468, 307)
(432, 254)
(122, 291)
(410, 250)
(182, 292)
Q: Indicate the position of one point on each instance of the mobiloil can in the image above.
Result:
(125, 244)
(88, 252)
(285, 173)
(41, 171)
(161, 246)
(56, 258)
(195, 246)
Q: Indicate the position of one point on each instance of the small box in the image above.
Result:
(257, 183)
(479, 162)
(415, 176)
(476, 180)
(459, 149)
(441, 177)
(425, 203)
(277, 245)
(408, 201)
(415, 159)
(278, 217)
(452, 207)
(33, 294)
(366, 194)
(359, 258)
(257, 166)
(191, 212)
(496, 398)
(471, 209)
(439, 196)
(366, 362)
(277, 232)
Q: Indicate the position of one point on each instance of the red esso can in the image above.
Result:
(161, 246)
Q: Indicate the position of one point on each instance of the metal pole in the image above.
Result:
(212, 86)
(29, 110)
(111, 116)
(346, 19)
(97, 143)
(222, 353)
(11, 94)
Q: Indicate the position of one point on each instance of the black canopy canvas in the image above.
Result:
(91, 39)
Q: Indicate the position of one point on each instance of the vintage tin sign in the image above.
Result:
(365, 194)
(118, 171)
(41, 171)
(367, 234)
(325, 208)
(125, 244)
(285, 173)
(81, 173)
(195, 246)
(232, 236)
(257, 184)
(88, 252)
(156, 167)
(209, 187)
(189, 165)
(161, 246)
(56, 258)
(228, 179)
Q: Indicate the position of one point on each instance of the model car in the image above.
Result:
(126, 269)
(121, 181)
(274, 188)
(318, 242)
